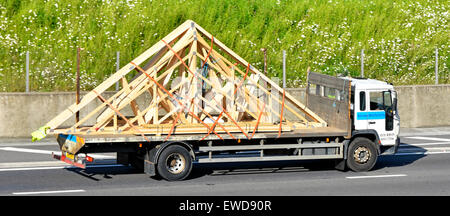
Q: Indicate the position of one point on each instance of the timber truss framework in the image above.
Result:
(196, 85)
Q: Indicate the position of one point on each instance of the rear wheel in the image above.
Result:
(362, 155)
(174, 163)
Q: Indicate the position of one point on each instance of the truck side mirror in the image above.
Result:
(395, 104)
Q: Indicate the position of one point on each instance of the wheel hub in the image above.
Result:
(361, 155)
(175, 163)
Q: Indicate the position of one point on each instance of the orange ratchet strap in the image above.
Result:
(209, 52)
(175, 53)
(257, 122)
(174, 123)
(213, 126)
(179, 58)
(120, 114)
(173, 126)
(223, 109)
(229, 116)
(170, 94)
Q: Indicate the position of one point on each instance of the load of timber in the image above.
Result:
(192, 84)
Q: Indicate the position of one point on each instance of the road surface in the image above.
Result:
(421, 167)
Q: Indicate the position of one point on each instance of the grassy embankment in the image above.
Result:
(399, 37)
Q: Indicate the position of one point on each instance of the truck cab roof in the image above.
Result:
(366, 83)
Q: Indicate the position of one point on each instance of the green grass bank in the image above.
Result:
(399, 38)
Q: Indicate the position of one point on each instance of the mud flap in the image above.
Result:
(149, 162)
(340, 164)
(149, 168)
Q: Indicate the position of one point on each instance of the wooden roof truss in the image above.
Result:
(195, 85)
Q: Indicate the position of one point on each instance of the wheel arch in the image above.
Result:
(369, 134)
(163, 146)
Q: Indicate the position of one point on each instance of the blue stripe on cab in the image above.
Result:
(370, 115)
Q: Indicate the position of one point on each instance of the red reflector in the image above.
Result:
(89, 159)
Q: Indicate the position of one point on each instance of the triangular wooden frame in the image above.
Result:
(211, 94)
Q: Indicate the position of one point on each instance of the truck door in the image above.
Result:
(380, 116)
(360, 111)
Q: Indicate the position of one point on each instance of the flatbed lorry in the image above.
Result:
(220, 108)
(363, 123)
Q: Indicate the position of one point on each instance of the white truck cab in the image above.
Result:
(374, 108)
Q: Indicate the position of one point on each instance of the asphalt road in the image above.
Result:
(421, 167)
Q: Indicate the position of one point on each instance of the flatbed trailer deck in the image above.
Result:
(299, 133)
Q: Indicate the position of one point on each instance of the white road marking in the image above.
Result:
(32, 164)
(26, 150)
(429, 138)
(28, 144)
(95, 156)
(57, 167)
(442, 149)
(420, 153)
(423, 144)
(48, 192)
(421, 149)
(376, 176)
(32, 168)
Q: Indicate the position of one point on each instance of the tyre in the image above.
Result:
(174, 163)
(362, 155)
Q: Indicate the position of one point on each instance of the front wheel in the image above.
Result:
(362, 155)
(174, 163)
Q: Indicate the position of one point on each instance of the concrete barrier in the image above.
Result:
(424, 105)
(22, 113)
